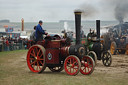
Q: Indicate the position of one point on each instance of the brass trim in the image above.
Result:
(79, 13)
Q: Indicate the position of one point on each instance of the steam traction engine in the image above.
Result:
(57, 54)
(96, 47)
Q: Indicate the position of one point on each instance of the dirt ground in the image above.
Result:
(14, 71)
(119, 65)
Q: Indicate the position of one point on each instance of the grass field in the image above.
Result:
(14, 71)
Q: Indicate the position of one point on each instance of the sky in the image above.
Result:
(51, 10)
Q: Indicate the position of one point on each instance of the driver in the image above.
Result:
(39, 31)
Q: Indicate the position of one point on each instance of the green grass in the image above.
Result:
(14, 71)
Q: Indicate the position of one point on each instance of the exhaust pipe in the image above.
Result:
(98, 28)
(77, 26)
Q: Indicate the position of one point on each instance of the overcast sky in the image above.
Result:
(49, 10)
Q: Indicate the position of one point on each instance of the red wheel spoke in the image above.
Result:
(69, 69)
(31, 58)
(87, 61)
(83, 69)
(40, 59)
(38, 52)
(32, 54)
(37, 65)
(34, 65)
(73, 60)
(36, 68)
(41, 63)
(74, 63)
(73, 70)
(88, 69)
(70, 60)
(33, 62)
(41, 55)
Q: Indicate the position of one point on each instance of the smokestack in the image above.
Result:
(78, 26)
(98, 28)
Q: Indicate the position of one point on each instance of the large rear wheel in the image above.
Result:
(72, 65)
(36, 58)
(87, 65)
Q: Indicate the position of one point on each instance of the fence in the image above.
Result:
(11, 47)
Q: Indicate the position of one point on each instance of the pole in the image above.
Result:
(22, 20)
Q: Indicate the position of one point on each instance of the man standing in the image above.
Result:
(33, 34)
(39, 31)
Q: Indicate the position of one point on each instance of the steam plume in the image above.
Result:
(88, 10)
(121, 10)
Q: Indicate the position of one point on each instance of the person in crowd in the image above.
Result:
(82, 32)
(40, 31)
(32, 36)
(1, 44)
(7, 45)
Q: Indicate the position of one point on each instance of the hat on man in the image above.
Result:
(40, 21)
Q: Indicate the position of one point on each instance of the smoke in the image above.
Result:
(121, 10)
(88, 10)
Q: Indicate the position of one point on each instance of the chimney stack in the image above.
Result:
(98, 28)
(78, 26)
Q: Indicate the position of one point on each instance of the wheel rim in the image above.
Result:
(35, 59)
(72, 65)
(87, 65)
(106, 58)
(112, 49)
(56, 69)
(93, 55)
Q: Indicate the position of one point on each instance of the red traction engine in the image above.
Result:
(58, 54)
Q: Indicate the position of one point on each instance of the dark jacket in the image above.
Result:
(39, 31)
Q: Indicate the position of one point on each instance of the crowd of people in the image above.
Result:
(9, 44)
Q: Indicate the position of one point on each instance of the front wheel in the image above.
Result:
(87, 65)
(106, 58)
(72, 65)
